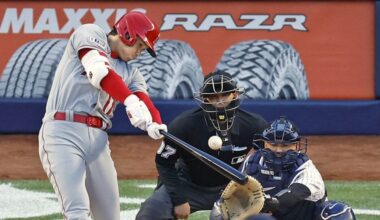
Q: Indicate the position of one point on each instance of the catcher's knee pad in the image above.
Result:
(334, 210)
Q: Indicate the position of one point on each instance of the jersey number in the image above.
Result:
(166, 150)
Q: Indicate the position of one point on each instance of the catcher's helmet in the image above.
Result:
(282, 132)
(214, 84)
(134, 24)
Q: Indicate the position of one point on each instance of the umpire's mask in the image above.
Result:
(219, 98)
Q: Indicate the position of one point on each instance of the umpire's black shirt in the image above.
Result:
(195, 128)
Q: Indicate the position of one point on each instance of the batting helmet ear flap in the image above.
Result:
(128, 37)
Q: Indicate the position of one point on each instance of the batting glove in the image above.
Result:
(137, 112)
(154, 130)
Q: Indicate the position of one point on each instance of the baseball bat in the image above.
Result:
(213, 162)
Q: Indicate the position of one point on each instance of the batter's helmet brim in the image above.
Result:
(151, 52)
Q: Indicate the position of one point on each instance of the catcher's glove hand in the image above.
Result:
(271, 204)
(239, 201)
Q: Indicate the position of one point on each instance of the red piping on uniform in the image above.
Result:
(111, 109)
(106, 105)
(52, 173)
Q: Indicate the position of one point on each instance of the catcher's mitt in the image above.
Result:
(239, 201)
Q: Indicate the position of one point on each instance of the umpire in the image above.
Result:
(185, 184)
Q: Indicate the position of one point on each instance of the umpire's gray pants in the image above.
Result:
(160, 207)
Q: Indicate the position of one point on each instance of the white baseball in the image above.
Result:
(215, 142)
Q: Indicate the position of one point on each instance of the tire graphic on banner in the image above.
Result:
(174, 74)
(266, 69)
(29, 72)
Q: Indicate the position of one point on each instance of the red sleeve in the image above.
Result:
(152, 109)
(112, 83)
(83, 52)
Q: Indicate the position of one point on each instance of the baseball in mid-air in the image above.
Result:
(215, 142)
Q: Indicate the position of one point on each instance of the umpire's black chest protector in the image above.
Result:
(197, 132)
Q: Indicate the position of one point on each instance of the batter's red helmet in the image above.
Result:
(134, 24)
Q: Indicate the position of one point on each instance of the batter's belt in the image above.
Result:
(89, 120)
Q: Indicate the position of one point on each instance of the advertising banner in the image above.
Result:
(287, 49)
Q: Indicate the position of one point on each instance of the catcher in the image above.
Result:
(293, 187)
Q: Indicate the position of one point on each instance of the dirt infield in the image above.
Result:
(337, 157)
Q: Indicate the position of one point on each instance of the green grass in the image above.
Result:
(363, 195)
(33, 185)
(47, 217)
(128, 188)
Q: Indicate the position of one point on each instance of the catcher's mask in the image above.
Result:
(281, 133)
(219, 97)
(136, 24)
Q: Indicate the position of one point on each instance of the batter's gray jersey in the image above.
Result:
(76, 157)
(71, 89)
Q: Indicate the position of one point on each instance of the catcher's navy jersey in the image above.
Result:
(195, 128)
(304, 172)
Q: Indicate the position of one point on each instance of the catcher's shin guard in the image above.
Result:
(334, 210)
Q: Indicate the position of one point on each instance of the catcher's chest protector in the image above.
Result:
(272, 182)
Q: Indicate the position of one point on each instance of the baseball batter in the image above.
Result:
(293, 185)
(187, 185)
(91, 78)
